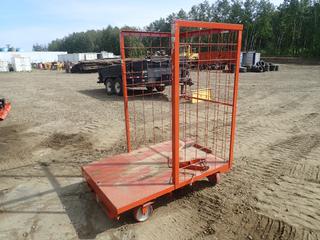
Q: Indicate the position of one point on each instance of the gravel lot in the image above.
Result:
(60, 122)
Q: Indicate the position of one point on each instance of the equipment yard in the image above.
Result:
(60, 122)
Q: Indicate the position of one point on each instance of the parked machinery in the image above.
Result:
(150, 73)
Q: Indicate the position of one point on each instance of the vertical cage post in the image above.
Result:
(235, 96)
(175, 105)
(125, 93)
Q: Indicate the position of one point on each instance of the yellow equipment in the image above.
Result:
(201, 94)
(189, 54)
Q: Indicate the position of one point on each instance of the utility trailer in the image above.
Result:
(90, 66)
(173, 143)
(149, 73)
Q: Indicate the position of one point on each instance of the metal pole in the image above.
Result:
(235, 96)
(175, 104)
(125, 94)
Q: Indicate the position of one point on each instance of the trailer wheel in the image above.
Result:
(214, 179)
(118, 87)
(143, 213)
(160, 88)
(150, 89)
(109, 86)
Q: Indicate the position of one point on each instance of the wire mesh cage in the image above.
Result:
(206, 107)
(182, 87)
(148, 78)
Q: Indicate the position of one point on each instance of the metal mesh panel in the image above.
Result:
(206, 106)
(147, 58)
(181, 87)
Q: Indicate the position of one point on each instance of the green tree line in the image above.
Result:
(291, 29)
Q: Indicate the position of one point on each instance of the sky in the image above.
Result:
(25, 22)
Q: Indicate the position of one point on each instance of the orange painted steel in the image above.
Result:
(209, 25)
(143, 33)
(175, 105)
(125, 93)
(209, 57)
(5, 111)
(180, 113)
(235, 97)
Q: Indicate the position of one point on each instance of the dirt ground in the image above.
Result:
(60, 122)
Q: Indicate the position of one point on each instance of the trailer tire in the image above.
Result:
(272, 67)
(160, 88)
(117, 86)
(214, 179)
(109, 86)
(150, 89)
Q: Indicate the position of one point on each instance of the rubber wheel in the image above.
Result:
(118, 87)
(139, 216)
(109, 86)
(262, 63)
(150, 89)
(160, 88)
(214, 179)
(259, 69)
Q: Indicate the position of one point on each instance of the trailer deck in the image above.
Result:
(129, 180)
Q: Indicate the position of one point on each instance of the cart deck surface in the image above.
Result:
(128, 180)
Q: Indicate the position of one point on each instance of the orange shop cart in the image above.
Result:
(177, 133)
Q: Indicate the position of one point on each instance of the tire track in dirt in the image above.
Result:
(292, 189)
(92, 127)
(292, 200)
(259, 226)
(285, 175)
(175, 222)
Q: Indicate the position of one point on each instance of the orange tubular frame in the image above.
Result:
(125, 93)
(176, 34)
(123, 34)
(175, 105)
(235, 96)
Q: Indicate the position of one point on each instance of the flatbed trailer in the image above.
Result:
(90, 66)
(197, 140)
(149, 73)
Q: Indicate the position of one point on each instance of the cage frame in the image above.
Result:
(176, 35)
(99, 176)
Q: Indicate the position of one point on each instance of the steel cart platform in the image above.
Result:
(129, 180)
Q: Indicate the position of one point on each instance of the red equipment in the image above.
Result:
(4, 109)
(174, 137)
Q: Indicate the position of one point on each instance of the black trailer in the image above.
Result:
(154, 73)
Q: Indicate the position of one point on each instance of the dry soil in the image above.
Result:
(60, 122)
